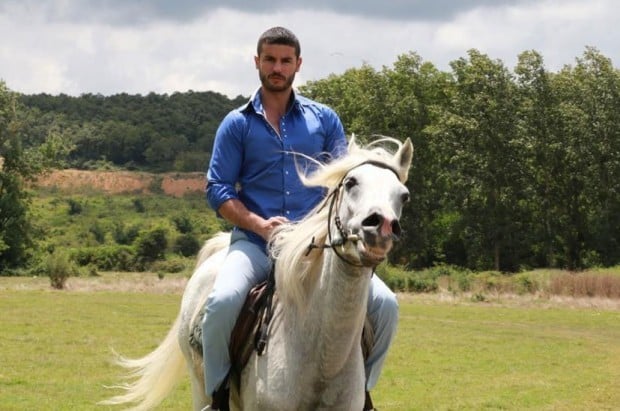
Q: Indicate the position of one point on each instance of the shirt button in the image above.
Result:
(288, 193)
(288, 212)
(286, 172)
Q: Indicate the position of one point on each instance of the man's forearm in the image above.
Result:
(235, 212)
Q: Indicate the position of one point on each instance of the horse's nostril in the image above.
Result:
(373, 220)
(396, 230)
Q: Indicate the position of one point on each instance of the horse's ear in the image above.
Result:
(403, 158)
(352, 143)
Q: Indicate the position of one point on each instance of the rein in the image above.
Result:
(344, 238)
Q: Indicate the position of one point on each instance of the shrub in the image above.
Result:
(422, 284)
(444, 270)
(183, 224)
(186, 245)
(463, 281)
(92, 270)
(112, 257)
(399, 279)
(98, 232)
(151, 245)
(74, 207)
(125, 235)
(172, 265)
(58, 267)
(489, 281)
(138, 205)
(525, 284)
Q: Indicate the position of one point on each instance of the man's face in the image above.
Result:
(277, 65)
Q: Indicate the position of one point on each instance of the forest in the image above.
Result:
(514, 168)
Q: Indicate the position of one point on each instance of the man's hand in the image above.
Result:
(267, 227)
(236, 213)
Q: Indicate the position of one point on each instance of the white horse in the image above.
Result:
(313, 359)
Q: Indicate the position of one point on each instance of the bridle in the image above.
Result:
(333, 198)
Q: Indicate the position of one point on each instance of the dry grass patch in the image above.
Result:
(585, 285)
(105, 282)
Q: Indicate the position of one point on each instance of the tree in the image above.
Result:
(413, 87)
(589, 115)
(17, 167)
(545, 163)
(476, 134)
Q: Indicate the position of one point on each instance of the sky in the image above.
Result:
(165, 46)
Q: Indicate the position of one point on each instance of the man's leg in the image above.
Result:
(245, 266)
(383, 316)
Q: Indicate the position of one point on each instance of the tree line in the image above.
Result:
(153, 132)
(513, 169)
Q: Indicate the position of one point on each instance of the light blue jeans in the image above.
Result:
(247, 265)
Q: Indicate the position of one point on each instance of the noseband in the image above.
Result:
(344, 238)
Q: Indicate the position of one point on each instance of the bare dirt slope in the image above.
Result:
(117, 182)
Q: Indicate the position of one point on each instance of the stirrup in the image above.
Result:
(368, 406)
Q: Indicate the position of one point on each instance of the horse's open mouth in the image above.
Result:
(370, 256)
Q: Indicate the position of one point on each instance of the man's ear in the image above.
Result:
(299, 59)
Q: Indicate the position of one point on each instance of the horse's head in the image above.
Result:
(369, 207)
(358, 220)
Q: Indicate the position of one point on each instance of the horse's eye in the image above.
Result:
(350, 183)
(405, 197)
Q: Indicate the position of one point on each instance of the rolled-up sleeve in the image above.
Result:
(226, 160)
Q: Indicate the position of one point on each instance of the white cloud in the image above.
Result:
(48, 49)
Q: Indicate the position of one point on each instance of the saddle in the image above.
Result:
(250, 330)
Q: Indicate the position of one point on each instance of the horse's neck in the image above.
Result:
(342, 296)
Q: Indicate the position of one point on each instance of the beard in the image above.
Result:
(286, 82)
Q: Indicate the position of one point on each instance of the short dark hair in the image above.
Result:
(279, 35)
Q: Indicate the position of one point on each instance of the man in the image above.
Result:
(253, 184)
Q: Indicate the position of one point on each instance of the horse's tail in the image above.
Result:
(155, 374)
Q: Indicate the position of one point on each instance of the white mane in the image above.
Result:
(297, 270)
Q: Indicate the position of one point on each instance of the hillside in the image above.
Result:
(118, 182)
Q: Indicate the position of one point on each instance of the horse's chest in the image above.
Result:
(291, 379)
(292, 372)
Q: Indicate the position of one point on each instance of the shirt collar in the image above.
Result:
(255, 103)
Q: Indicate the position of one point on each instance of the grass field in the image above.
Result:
(450, 354)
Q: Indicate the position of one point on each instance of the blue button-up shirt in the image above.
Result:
(254, 164)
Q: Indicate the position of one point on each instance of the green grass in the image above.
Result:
(473, 357)
(55, 352)
(55, 347)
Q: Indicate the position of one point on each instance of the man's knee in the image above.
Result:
(383, 308)
(223, 305)
(389, 308)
